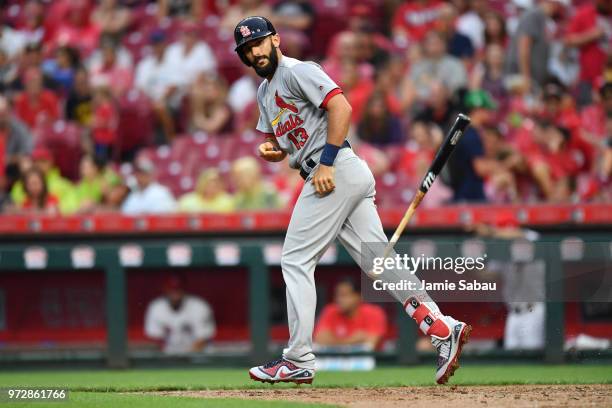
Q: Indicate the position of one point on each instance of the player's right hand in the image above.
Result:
(268, 151)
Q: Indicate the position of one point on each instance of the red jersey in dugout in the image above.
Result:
(368, 318)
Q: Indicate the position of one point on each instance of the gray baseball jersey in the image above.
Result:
(292, 108)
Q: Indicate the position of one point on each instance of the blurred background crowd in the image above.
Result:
(143, 107)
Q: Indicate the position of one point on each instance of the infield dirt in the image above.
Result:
(459, 396)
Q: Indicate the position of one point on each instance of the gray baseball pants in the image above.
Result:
(348, 213)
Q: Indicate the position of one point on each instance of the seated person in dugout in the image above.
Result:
(182, 323)
(350, 322)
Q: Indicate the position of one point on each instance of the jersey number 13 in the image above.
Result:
(298, 137)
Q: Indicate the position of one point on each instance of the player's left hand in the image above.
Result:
(270, 152)
(323, 179)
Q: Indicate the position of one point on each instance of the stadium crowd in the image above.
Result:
(143, 107)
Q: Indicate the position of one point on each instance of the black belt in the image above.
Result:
(311, 164)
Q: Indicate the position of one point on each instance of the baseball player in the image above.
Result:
(304, 115)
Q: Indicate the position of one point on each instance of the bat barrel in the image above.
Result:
(447, 148)
(450, 141)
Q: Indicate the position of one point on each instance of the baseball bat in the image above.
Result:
(444, 152)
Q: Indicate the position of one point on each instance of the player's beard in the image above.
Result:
(270, 68)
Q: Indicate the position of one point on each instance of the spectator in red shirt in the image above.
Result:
(419, 150)
(561, 160)
(387, 77)
(349, 321)
(550, 160)
(71, 24)
(590, 30)
(559, 109)
(104, 122)
(36, 104)
(527, 140)
(593, 117)
(343, 50)
(355, 87)
(38, 199)
(596, 128)
(413, 19)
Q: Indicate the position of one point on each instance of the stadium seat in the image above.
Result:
(64, 140)
(135, 122)
(331, 18)
(137, 43)
(13, 14)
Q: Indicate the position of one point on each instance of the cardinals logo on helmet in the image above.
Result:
(245, 31)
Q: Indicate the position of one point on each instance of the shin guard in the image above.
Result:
(430, 323)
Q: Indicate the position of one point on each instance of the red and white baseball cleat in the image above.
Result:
(449, 349)
(281, 370)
